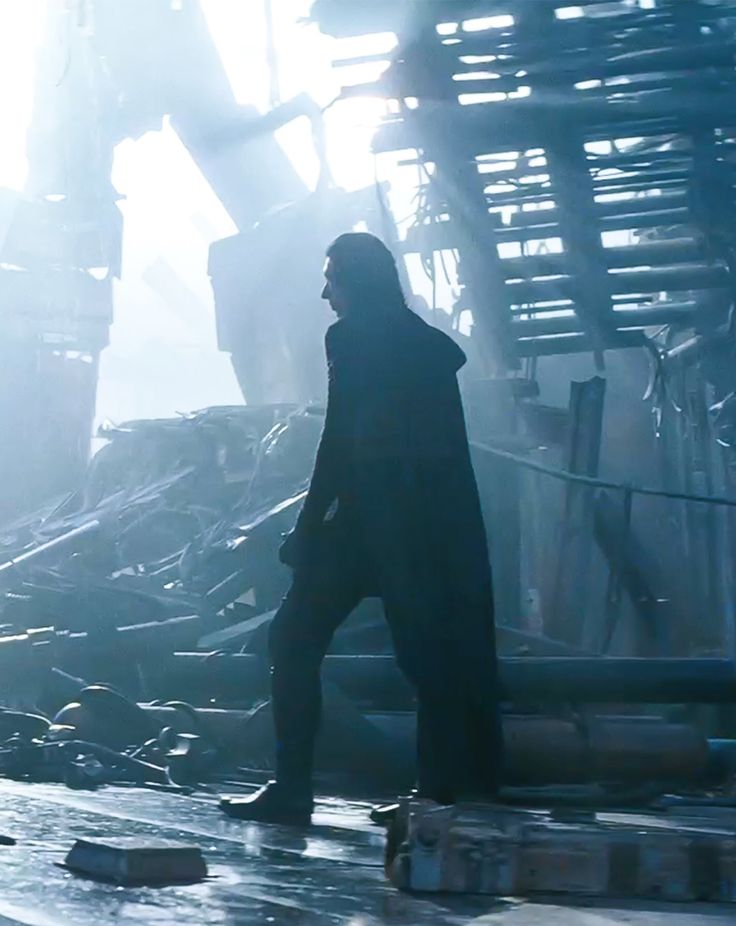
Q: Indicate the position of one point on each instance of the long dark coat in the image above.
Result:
(394, 455)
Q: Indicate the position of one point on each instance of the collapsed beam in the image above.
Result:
(377, 680)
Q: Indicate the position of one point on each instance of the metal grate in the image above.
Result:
(579, 159)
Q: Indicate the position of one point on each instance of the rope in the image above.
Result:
(601, 483)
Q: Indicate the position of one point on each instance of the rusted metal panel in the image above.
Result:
(482, 849)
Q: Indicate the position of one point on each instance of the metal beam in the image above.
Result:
(551, 679)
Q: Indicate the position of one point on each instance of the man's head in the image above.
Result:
(361, 276)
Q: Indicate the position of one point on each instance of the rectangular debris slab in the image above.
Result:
(482, 849)
(130, 861)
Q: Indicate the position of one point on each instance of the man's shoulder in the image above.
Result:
(336, 337)
(434, 346)
(334, 331)
(409, 338)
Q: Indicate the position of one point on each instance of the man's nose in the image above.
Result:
(326, 291)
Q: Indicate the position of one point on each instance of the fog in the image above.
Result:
(163, 357)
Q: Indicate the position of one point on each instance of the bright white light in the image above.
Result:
(156, 168)
(499, 156)
(598, 147)
(538, 207)
(616, 239)
(472, 99)
(623, 144)
(509, 249)
(159, 360)
(492, 167)
(304, 61)
(238, 31)
(625, 196)
(162, 360)
(297, 136)
(350, 130)
(377, 43)
(488, 22)
(569, 12)
(476, 75)
(21, 30)
(446, 28)
(465, 324)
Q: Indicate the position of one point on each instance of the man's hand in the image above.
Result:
(292, 548)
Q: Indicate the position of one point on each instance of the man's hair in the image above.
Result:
(365, 268)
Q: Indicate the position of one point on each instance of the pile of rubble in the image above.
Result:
(134, 614)
(134, 618)
(171, 544)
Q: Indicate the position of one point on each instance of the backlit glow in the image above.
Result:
(488, 22)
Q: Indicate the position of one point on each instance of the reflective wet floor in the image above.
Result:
(330, 874)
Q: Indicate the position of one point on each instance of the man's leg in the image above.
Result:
(485, 737)
(459, 739)
(300, 636)
(322, 595)
(441, 735)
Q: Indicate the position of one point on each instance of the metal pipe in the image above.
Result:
(620, 679)
(622, 283)
(551, 679)
(636, 206)
(576, 344)
(651, 254)
(646, 317)
(543, 224)
(689, 351)
(38, 552)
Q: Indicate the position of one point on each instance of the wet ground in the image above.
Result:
(331, 874)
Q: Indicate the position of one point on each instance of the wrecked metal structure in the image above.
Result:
(578, 163)
(584, 199)
(576, 168)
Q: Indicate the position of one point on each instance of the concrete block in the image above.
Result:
(130, 861)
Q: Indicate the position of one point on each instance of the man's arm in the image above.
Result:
(325, 478)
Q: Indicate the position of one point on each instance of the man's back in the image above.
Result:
(394, 389)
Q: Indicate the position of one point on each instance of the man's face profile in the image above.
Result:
(331, 291)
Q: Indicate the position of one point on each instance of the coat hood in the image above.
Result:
(405, 332)
(440, 347)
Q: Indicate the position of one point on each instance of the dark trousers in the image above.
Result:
(459, 740)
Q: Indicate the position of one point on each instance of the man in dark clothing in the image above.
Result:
(392, 511)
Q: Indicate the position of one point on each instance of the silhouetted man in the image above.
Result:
(392, 511)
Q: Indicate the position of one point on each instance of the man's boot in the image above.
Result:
(274, 803)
